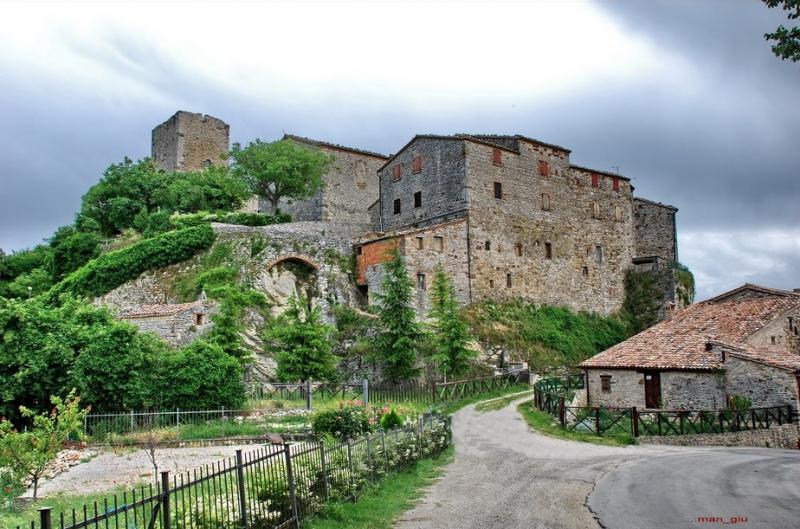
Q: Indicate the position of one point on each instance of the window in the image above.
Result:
(596, 210)
(198, 319)
(438, 243)
(396, 170)
(416, 166)
(420, 243)
(605, 383)
(421, 281)
(491, 283)
(518, 249)
(498, 190)
(545, 202)
(497, 157)
(206, 163)
(548, 250)
(487, 245)
(418, 199)
(544, 168)
(595, 180)
(618, 213)
(773, 340)
(359, 250)
(508, 280)
(615, 183)
(598, 254)
(396, 206)
(585, 271)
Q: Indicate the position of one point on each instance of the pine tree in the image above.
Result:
(450, 331)
(301, 344)
(397, 342)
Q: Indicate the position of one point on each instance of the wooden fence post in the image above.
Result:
(365, 391)
(385, 455)
(597, 420)
(240, 479)
(562, 414)
(132, 425)
(350, 467)
(290, 480)
(177, 416)
(165, 508)
(635, 421)
(309, 404)
(45, 518)
(324, 466)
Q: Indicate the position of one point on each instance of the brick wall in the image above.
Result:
(190, 142)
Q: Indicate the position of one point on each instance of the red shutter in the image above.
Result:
(497, 157)
(396, 172)
(595, 180)
(417, 164)
(615, 183)
(544, 168)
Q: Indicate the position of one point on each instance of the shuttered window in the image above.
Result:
(615, 183)
(497, 157)
(595, 180)
(396, 170)
(544, 168)
(417, 165)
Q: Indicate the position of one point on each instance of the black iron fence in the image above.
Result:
(611, 421)
(271, 488)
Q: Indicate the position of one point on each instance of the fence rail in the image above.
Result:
(609, 420)
(270, 488)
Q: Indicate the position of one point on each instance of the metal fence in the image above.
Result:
(271, 488)
(611, 421)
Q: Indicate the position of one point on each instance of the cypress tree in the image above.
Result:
(450, 331)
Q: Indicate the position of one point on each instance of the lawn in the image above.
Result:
(544, 423)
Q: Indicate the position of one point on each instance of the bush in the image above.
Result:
(111, 270)
(391, 420)
(347, 422)
(243, 219)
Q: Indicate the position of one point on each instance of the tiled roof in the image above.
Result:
(680, 343)
(771, 356)
(334, 146)
(757, 289)
(157, 311)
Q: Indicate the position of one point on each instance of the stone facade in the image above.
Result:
(786, 436)
(764, 385)
(190, 142)
(178, 324)
(655, 230)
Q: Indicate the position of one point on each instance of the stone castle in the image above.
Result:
(507, 216)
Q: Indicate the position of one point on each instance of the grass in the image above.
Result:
(380, 506)
(544, 423)
(454, 406)
(499, 404)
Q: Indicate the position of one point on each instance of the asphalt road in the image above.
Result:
(507, 476)
(752, 487)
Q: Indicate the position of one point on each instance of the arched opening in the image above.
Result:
(287, 276)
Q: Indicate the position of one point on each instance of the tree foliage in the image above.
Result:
(301, 343)
(398, 339)
(787, 40)
(643, 300)
(451, 335)
(27, 453)
(280, 169)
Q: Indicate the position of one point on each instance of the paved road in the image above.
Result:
(506, 476)
(750, 487)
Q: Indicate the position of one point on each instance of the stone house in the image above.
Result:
(179, 323)
(745, 342)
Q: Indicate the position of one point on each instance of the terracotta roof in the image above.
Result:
(771, 356)
(334, 146)
(680, 343)
(755, 288)
(598, 171)
(156, 311)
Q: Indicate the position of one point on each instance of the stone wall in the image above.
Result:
(553, 239)
(764, 385)
(783, 332)
(627, 388)
(440, 182)
(786, 436)
(190, 142)
(180, 328)
(655, 229)
(692, 390)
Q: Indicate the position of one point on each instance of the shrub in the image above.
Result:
(240, 218)
(391, 420)
(739, 403)
(111, 270)
(346, 422)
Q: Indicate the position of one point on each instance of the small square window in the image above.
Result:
(487, 245)
(497, 157)
(421, 282)
(605, 383)
(418, 199)
(518, 249)
(498, 190)
(585, 271)
(199, 319)
(396, 206)
(508, 280)
(420, 243)
(396, 171)
(359, 250)
(598, 254)
(438, 243)
(548, 250)
(417, 164)
(491, 283)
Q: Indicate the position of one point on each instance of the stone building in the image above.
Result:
(177, 323)
(511, 217)
(190, 142)
(745, 342)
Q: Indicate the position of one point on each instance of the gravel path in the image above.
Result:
(506, 476)
(131, 467)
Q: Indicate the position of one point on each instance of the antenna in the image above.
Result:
(615, 167)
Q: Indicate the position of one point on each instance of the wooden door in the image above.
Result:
(652, 389)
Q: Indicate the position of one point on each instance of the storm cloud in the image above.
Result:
(683, 97)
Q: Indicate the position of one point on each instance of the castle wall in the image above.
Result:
(519, 229)
(655, 230)
(441, 182)
(190, 142)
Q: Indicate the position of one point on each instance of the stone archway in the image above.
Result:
(288, 275)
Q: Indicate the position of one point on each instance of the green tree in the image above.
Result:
(72, 249)
(787, 40)
(451, 335)
(398, 339)
(301, 343)
(27, 453)
(280, 169)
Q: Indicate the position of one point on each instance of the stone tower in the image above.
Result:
(189, 142)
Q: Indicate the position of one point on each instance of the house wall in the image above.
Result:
(655, 230)
(778, 329)
(441, 182)
(679, 389)
(764, 385)
(179, 329)
(570, 227)
(627, 388)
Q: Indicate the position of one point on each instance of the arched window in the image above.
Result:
(545, 202)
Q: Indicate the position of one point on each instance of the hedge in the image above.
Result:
(113, 269)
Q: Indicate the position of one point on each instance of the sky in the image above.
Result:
(684, 97)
